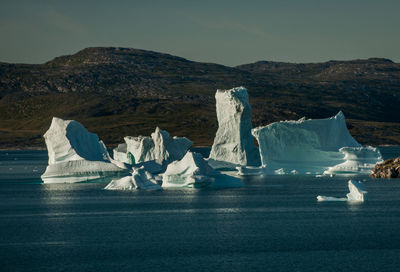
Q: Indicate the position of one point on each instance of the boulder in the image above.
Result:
(389, 168)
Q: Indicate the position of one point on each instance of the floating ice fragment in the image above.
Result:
(356, 194)
(140, 179)
(191, 171)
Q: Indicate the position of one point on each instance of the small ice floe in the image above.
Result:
(251, 170)
(139, 179)
(356, 194)
(280, 171)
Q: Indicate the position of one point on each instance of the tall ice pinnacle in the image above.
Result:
(233, 142)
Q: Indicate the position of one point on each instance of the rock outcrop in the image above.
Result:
(390, 168)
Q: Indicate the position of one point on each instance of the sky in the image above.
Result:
(225, 32)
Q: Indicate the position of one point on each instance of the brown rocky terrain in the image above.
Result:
(116, 92)
(390, 168)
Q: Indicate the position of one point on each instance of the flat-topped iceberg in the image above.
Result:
(160, 147)
(309, 140)
(356, 194)
(76, 155)
(233, 144)
(191, 171)
(313, 147)
(139, 179)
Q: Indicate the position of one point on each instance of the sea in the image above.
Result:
(272, 223)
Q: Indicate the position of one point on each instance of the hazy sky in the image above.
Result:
(226, 32)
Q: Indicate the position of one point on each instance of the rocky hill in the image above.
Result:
(120, 91)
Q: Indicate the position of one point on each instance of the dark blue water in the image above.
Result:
(272, 224)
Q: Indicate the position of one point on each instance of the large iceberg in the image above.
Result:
(233, 143)
(191, 171)
(139, 179)
(356, 194)
(160, 147)
(313, 146)
(76, 155)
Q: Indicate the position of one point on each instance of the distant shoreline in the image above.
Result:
(43, 148)
(200, 146)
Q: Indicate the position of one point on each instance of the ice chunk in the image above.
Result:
(358, 160)
(140, 179)
(120, 154)
(191, 171)
(330, 198)
(160, 147)
(356, 194)
(76, 155)
(357, 191)
(233, 142)
(140, 148)
(251, 170)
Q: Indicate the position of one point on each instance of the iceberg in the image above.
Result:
(358, 160)
(357, 191)
(356, 194)
(313, 146)
(76, 155)
(160, 147)
(191, 171)
(140, 179)
(233, 144)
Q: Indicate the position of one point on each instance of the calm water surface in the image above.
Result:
(274, 223)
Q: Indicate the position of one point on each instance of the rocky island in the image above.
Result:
(389, 168)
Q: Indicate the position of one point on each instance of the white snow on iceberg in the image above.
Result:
(233, 143)
(76, 155)
(313, 146)
(356, 194)
(140, 179)
(191, 171)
